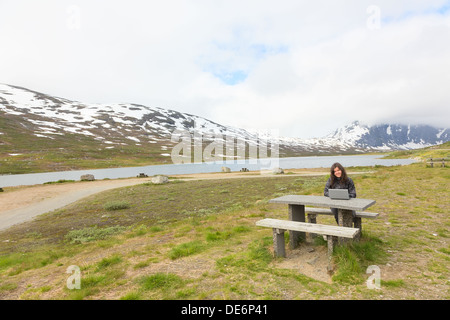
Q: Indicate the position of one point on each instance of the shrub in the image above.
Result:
(92, 234)
(116, 205)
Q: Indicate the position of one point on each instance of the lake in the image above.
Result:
(189, 168)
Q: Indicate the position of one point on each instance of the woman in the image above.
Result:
(339, 180)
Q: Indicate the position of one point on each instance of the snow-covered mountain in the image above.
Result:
(113, 125)
(390, 136)
(53, 116)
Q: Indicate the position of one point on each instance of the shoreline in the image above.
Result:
(316, 162)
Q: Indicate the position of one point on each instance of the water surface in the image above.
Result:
(190, 168)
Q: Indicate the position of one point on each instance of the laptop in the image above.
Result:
(338, 194)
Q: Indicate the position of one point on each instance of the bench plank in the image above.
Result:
(328, 230)
(332, 232)
(327, 211)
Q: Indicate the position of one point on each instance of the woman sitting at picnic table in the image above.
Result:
(339, 180)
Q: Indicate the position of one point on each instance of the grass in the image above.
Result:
(355, 258)
(159, 280)
(198, 240)
(438, 151)
(186, 249)
(110, 261)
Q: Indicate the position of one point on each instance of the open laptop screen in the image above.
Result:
(338, 194)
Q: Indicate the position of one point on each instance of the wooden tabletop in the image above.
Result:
(356, 204)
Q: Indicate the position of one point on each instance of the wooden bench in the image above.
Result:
(313, 212)
(280, 226)
(432, 161)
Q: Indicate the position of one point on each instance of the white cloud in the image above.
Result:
(301, 67)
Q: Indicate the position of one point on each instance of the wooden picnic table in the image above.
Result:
(297, 205)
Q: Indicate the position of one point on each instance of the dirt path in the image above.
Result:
(19, 204)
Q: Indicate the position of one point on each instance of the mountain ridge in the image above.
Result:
(391, 136)
(132, 129)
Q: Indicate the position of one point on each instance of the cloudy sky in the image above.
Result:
(302, 68)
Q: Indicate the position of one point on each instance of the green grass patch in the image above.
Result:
(392, 283)
(166, 281)
(352, 259)
(19, 262)
(59, 181)
(108, 262)
(186, 249)
(212, 236)
(256, 258)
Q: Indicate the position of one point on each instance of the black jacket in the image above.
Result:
(349, 185)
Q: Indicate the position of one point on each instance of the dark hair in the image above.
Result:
(344, 177)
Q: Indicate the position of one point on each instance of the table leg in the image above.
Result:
(312, 218)
(296, 213)
(358, 224)
(345, 218)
